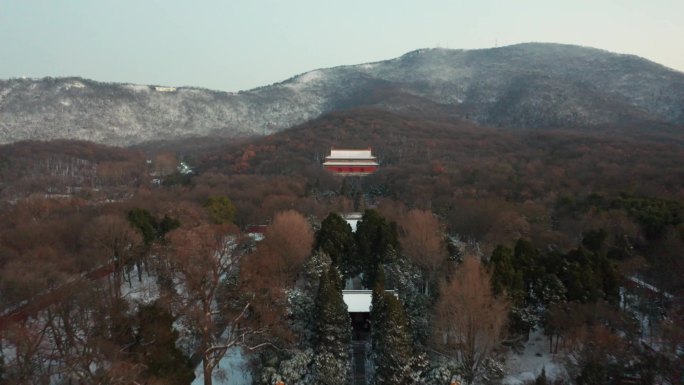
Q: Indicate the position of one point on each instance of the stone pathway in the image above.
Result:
(359, 362)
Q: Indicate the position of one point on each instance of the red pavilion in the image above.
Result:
(351, 162)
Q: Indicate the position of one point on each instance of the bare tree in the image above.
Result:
(422, 240)
(39, 270)
(207, 260)
(469, 320)
(112, 240)
(90, 334)
(165, 163)
(73, 333)
(288, 243)
(27, 339)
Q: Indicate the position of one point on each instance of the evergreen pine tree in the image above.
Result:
(505, 277)
(336, 239)
(333, 332)
(593, 373)
(378, 311)
(392, 346)
(143, 220)
(221, 209)
(376, 240)
(408, 282)
(156, 347)
(526, 260)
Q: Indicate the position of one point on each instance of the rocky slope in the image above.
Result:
(527, 85)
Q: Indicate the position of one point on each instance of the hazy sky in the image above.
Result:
(234, 44)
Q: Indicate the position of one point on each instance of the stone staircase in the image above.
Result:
(359, 362)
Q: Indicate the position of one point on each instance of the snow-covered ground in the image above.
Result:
(527, 366)
(143, 291)
(232, 370)
(306, 80)
(138, 87)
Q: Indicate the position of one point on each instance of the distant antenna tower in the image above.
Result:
(496, 43)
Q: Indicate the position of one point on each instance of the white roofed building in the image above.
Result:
(351, 162)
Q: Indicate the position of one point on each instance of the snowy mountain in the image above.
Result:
(528, 85)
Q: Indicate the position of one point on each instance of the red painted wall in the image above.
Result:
(359, 169)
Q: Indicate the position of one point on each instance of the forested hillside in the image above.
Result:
(572, 236)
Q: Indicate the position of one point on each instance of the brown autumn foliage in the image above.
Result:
(422, 239)
(595, 344)
(206, 259)
(110, 239)
(67, 167)
(165, 163)
(392, 210)
(469, 321)
(474, 161)
(571, 326)
(288, 242)
(29, 339)
(226, 287)
(487, 184)
(87, 308)
(76, 333)
(480, 180)
(258, 198)
(37, 271)
(39, 248)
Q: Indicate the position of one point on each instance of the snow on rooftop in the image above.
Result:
(359, 301)
(350, 154)
(352, 219)
(349, 162)
(352, 223)
(648, 286)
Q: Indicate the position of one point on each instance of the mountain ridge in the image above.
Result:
(530, 85)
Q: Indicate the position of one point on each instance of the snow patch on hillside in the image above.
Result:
(138, 87)
(367, 66)
(164, 89)
(307, 79)
(311, 76)
(520, 86)
(74, 84)
(4, 93)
